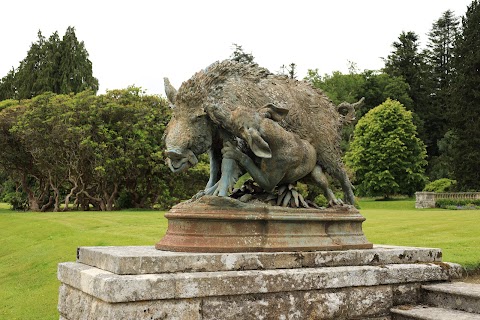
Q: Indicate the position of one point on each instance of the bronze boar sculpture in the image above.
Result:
(210, 113)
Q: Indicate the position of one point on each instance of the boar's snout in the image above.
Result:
(179, 161)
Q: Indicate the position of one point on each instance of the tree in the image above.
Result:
(51, 65)
(441, 42)
(17, 162)
(240, 55)
(439, 58)
(374, 86)
(385, 154)
(30, 68)
(8, 88)
(441, 166)
(378, 87)
(338, 87)
(407, 62)
(464, 116)
(75, 72)
(290, 70)
(103, 151)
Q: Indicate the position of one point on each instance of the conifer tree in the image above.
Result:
(8, 87)
(75, 67)
(58, 66)
(439, 58)
(408, 62)
(465, 112)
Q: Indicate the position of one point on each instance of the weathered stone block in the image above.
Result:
(148, 260)
(355, 284)
(431, 313)
(408, 293)
(424, 200)
(457, 295)
(76, 305)
(122, 288)
(110, 287)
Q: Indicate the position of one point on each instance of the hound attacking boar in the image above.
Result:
(279, 130)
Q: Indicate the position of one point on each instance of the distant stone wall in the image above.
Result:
(428, 199)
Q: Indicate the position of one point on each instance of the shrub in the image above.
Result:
(440, 185)
(387, 156)
(18, 200)
(457, 203)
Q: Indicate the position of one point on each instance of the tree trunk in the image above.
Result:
(33, 204)
(47, 205)
(111, 199)
(56, 195)
(98, 203)
(70, 194)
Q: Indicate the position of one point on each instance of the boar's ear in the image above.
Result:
(273, 112)
(256, 143)
(170, 91)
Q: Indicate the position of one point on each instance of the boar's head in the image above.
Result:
(188, 134)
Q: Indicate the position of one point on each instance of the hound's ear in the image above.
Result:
(256, 143)
(170, 91)
(273, 112)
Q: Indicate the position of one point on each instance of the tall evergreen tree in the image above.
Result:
(8, 88)
(49, 75)
(59, 66)
(408, 62)
(30, 68)
(75, 67)
(441, 41)
(465, 113)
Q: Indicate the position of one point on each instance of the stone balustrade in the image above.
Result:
(428, 199)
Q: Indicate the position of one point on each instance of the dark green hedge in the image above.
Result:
(452, 203)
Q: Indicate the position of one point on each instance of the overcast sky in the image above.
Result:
(140, 42)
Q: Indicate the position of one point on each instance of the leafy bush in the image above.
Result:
(387, 156)
(12, 195)
(458, 203)
(440, 185)
(18, 200)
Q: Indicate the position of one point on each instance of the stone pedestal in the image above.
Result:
(222, 224)
(424, 200)
(145, 283)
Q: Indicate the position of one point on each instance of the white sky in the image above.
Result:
(140, 42)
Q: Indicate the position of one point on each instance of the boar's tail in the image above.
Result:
(347, 110)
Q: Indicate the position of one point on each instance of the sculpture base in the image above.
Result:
(218, 224)
(141, 283)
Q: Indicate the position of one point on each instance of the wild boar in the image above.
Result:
(228, 85)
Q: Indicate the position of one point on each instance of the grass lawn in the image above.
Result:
(397, 222)
(32, 244)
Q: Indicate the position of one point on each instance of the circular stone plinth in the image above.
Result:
(220, 224)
